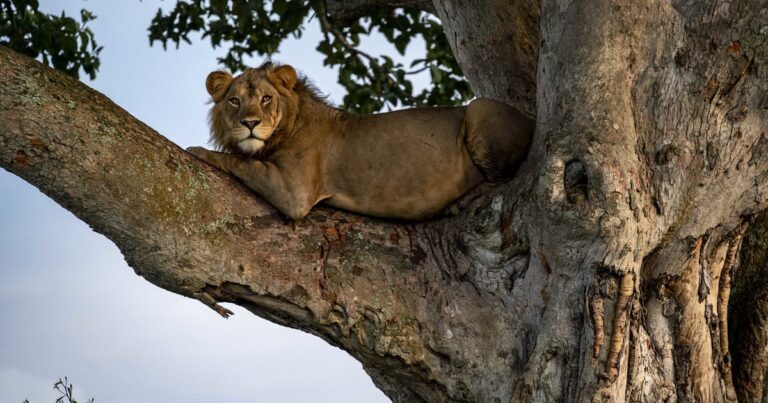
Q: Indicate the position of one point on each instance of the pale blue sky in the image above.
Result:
(69, 305)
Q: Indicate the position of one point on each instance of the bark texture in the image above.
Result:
(602, 272)
(496, 43)
(661, 109)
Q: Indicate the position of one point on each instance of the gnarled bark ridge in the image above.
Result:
(602, 272)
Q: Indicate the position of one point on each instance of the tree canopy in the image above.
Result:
(258, 28)
(61, 42)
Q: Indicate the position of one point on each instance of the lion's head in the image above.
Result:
(253, 109)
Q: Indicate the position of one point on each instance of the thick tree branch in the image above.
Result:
(346, 11)
(496, 43)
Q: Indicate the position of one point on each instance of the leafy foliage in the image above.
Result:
(64, 387)
(259, 27)
(373, 82)
(60, 41)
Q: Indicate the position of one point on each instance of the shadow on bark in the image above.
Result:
(749, 314)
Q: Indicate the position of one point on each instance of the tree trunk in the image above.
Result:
(602, 272)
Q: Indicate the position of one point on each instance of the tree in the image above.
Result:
(602, 272)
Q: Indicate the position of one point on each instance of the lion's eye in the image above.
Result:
(234, 101)
(265, 99)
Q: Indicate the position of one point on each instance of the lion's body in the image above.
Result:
(406, 164)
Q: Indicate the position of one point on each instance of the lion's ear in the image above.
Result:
(287, 76)
(217, 84)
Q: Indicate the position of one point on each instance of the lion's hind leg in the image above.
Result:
(497, 137)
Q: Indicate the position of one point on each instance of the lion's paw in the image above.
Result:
(198, 152)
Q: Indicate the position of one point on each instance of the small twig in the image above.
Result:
(417, 71)
(211, 302)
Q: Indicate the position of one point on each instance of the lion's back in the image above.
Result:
(406, 164)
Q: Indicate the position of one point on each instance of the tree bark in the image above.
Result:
(484, 33)
(602, 272)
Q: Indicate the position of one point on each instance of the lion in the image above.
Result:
(277, 134)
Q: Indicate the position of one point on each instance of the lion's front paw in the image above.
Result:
(198, 152)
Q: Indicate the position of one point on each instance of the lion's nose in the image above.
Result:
(250, 123)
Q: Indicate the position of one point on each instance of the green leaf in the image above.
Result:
(401, 42)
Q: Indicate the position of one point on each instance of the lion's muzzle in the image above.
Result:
(250, 124)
